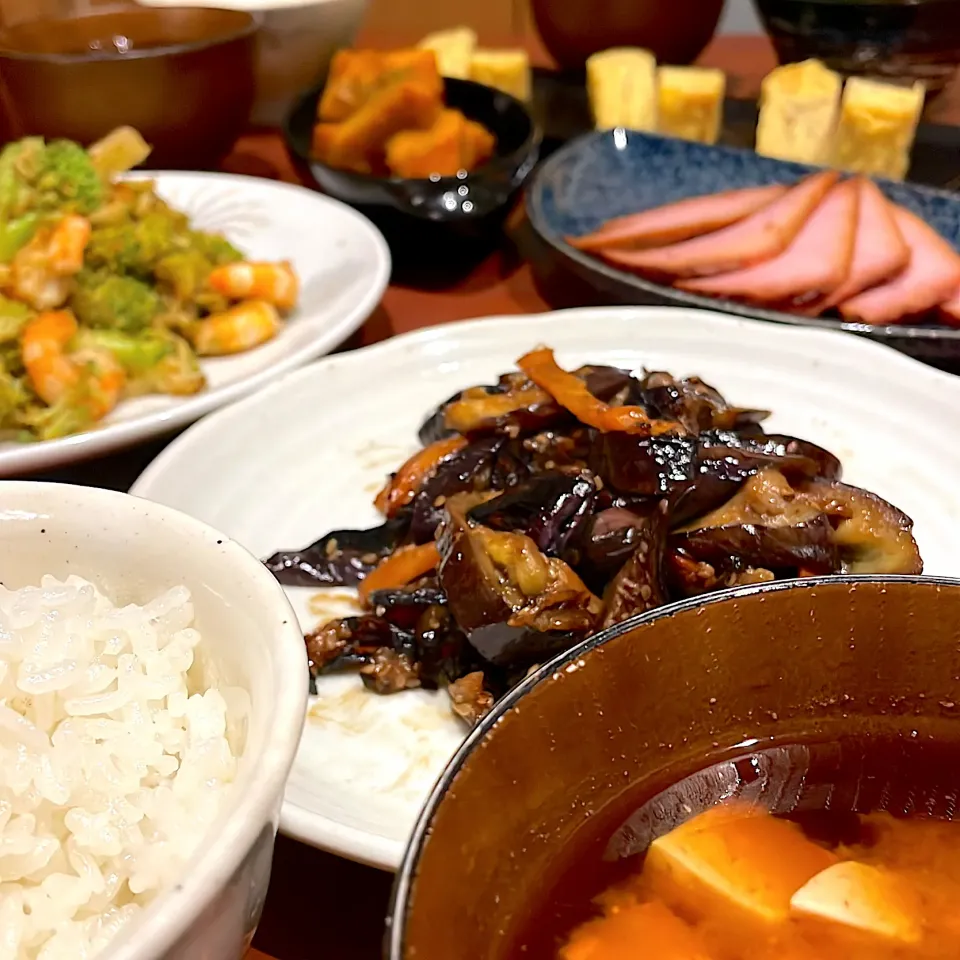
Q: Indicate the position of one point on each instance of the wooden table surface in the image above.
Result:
(320, 906)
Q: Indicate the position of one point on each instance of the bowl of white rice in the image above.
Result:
(152, 694)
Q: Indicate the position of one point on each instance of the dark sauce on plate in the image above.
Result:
(822, 786)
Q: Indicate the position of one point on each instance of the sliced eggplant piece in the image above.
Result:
(639, 585)
(516, 606)
(807, 547)
(342, 558)
(871, 535)
(550, 508)
(470, 470)
(695, 404)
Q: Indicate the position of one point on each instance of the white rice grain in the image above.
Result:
(111, 767)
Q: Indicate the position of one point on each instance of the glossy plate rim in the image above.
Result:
(428, 346)
(624, 280)
(42, 455)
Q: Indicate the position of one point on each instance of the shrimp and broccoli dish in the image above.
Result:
(107, 292)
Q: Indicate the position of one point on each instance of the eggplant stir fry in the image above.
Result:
(553, 504)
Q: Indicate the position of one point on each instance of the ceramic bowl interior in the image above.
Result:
(453, 206)
(133, 550)
(565, 758)
(903, 40)
(184, 77)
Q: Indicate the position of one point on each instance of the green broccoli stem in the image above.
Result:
(8, 179)
(136, 355)
(15, 234)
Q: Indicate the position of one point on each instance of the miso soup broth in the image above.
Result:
(859, 859)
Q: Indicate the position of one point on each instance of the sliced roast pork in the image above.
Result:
(950, 311)
(816, 262)
(879, 251)
(761, 236)
(678, 221)
(931, 277)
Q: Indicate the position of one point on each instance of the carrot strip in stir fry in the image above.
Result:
(402, 487)
(477, 407)
(571, 393)
(400, 568)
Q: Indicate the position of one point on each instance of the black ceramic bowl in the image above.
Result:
(900, 39)
(462, 210)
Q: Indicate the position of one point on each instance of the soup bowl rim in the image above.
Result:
(251, 23)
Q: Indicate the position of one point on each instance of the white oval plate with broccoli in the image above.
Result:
(343, 266)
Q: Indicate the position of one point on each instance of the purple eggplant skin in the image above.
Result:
(639, 585)
(550, 508)
(694, 404)
(701, 473)
(806, 546)
(489, 463)
(404, 607)
(610, 540)
(342, 558)
(478, 603)
(519, 648)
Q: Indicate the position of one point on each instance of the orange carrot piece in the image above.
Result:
(400, 568)
(405, 483)
(571, 393)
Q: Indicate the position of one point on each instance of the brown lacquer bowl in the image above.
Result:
(184, 77)
(675, 31)
(571, 753)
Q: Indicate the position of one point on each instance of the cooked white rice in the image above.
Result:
(111, 766)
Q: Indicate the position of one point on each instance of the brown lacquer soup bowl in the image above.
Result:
(840, 692)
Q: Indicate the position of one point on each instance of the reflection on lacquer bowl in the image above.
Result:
(174, 664)
(793, 694)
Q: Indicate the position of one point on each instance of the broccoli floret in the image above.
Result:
(215, 248)
(58, 177)
(67, 180)
(137, 355)
(113, 302)
(134, 247)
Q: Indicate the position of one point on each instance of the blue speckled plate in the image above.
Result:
(604, 175)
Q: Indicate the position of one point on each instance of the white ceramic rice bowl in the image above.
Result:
(134, 550)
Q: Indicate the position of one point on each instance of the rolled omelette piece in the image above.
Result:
(878, 124)
(453, 49)
(622, 87)
(690, 102)
(799, 104)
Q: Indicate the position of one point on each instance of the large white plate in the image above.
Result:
(306, 455)
(344, 266)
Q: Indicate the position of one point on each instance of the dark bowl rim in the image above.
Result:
(253, 23)
(394, 945)
(626, 280)
(530, 143)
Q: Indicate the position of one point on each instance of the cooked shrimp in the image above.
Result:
(32, 280)
(240, 328)
(95, 375)
(67, 245)
(275, 283)
(42, 271)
